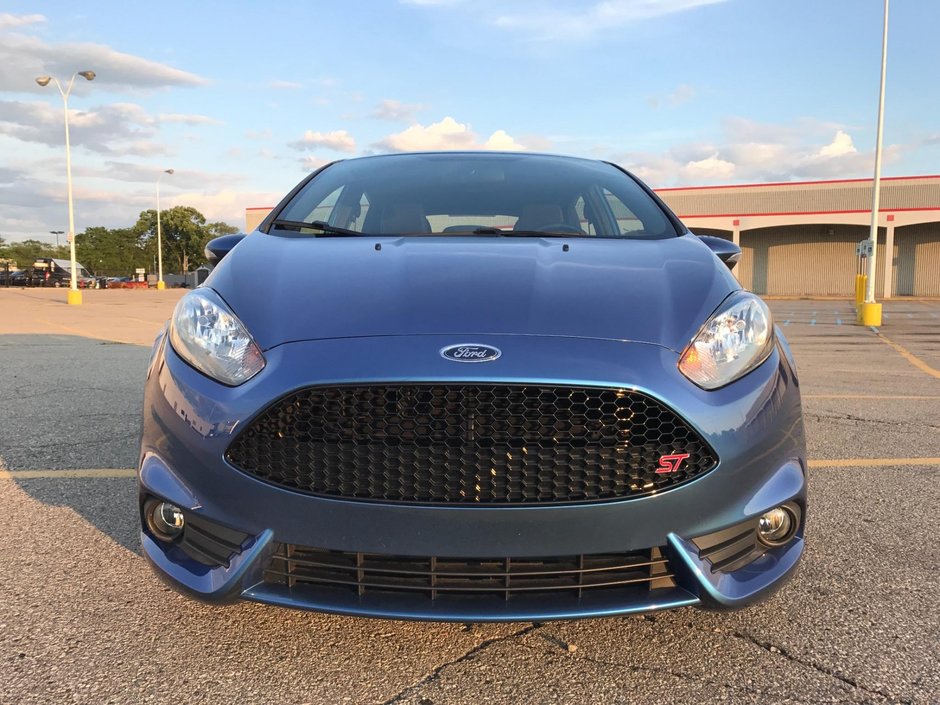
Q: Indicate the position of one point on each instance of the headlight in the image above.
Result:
(210, 338)
(733, 342)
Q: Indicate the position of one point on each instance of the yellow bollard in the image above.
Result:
(74, 297)
(861, 281)
(161, 285)
(870, 315)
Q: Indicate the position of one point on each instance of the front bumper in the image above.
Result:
(754, 425)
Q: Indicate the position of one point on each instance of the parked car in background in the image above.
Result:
(24, 277)
(51, 271)
(7, 276)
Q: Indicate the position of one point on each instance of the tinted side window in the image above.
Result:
(627, 221)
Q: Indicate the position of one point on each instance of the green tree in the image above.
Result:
(111, 252)
(184, 234)
(24, 253)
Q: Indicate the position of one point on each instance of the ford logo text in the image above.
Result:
(470, 352)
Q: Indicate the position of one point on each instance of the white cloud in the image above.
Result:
(311, 162)
(840, 145)
(224, 205)
(448, 134)
(501, 141)
(710, 169)
(544, 23)
(188, 119)
(338, 140)
(116, 128)
(396, 111)
(7, 20)
(24, 57)
(752, 151)
(134, 172)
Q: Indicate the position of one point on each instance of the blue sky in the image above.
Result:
(242, 99)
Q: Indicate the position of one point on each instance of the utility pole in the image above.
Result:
(871, 311)
(74, 295)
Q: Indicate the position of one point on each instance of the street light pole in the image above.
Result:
(57, 233)
(74, 295)
(160, 283)
(871, 311)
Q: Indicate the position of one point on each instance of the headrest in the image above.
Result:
(404, 218)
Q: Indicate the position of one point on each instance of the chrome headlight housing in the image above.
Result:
(736, 339)
(207, 335)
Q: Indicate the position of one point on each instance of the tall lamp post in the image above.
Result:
(74, 295)
(57, 233)
(160, 282)
(871, 311)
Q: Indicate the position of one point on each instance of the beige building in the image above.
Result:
(798, 238)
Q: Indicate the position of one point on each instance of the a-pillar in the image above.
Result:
(889, 257)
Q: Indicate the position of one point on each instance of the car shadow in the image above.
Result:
(71, 403)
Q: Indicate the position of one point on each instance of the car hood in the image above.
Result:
(652, 291)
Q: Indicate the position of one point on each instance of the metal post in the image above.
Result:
(873, 310)
(160, 284)
(74, 295)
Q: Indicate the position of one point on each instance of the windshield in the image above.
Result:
(477, 194)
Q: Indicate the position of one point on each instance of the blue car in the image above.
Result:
(483, 387)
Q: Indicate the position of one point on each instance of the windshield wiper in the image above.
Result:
(325, 229)
(526, 233)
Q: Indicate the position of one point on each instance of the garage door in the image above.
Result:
(802, 260)
(917, 260)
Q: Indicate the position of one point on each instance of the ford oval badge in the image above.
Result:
(470, 352)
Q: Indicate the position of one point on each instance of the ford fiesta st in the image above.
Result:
(474, 387)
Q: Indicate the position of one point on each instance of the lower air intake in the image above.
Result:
(433, 577)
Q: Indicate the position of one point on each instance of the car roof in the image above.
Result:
(478, 153)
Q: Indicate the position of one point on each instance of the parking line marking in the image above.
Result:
(871, 462)
(84, 333)
(907, 355)
(88, 473)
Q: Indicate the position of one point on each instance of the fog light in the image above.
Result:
(164, 520)
(777, 526)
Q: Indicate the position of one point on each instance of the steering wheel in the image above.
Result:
(562, 228)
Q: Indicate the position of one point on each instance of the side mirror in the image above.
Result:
(727, 251)
(219, 247)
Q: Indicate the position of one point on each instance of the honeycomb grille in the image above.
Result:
(468, 444)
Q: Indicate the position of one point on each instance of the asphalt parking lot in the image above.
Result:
(83, 620)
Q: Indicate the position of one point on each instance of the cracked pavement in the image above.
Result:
(83, 619)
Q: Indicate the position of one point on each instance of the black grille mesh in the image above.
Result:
(479, 443)
(433, 577)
